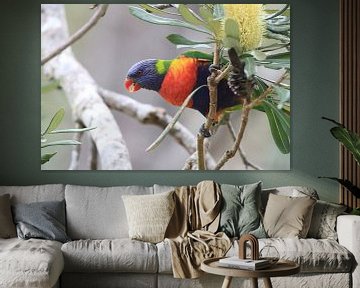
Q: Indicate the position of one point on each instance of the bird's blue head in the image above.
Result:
(144, 74)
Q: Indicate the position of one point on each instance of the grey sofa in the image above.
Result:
(101, 255)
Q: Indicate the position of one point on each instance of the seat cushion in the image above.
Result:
(98, 213)
(313, 255)
(117, 255)
(30, 263)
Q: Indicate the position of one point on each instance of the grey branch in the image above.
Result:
(148, 114)
(75, 153)
(81, 91)
(243, 157)
(100, 12)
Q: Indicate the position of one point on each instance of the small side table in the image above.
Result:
(281, 268)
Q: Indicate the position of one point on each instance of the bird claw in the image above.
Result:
(205, 132)
(214, 68)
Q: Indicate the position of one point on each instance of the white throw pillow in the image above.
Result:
(149, 215)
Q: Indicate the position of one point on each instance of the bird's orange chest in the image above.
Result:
(179, 81)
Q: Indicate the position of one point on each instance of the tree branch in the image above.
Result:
(81, 91)
(210, 119)
(75, 153)
(243, 157)
(100, 12)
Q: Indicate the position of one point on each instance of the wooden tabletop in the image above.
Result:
(281, 268)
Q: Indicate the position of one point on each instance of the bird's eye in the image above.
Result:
(139, 73)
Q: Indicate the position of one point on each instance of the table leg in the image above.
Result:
(267, 283)
(227, 282)
(254, 282)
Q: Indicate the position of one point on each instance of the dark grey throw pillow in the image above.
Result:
(43, 220)
(240, 213)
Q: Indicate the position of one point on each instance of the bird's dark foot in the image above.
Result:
(204, 131)
(214, 68)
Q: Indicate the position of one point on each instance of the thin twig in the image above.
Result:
(246, 162)
(75, 153)
(100, 12)
(231, 153)
(212, 85)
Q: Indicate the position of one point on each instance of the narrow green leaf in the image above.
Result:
(46, 157)
(232, 35)
(279, 56)
(50, 86)
(61, 142)
(198, 55)
(349, 139)
(205, 13)
(282, 94)
(194, 46)
(73, 130)
(259, 55)
(166, 131)
(279, 126)
(155, 19)
(151, 9)
(219, 11)
(249, 66)
(189, 15)
(347, 184)
(232, 28)
(55, 121)
(181, 40)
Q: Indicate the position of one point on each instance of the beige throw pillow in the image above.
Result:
(149, 215)
(288, 217)
(7, 226)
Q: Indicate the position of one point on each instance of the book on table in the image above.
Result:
(236, 262)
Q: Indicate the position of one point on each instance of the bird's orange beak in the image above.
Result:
(131, 86)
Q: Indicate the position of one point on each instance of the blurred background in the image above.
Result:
(117, 42)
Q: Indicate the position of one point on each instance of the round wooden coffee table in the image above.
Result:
(281, 268)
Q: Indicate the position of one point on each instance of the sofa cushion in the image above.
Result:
(30, 263)
(287, 216)
(149, 215)
(240, 210)
(313, 255)
(7, 227)
(117, 255)
(43, 220)
(323, 222)
(98, 213)
(291, 191)
(34, 193)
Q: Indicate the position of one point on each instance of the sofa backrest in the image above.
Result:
(34, 193)
(98, 212)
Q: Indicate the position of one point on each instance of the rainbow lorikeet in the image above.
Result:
(175, 79)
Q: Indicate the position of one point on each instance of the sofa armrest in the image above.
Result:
(348, 230)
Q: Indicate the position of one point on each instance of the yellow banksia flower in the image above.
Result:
(250, 18)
